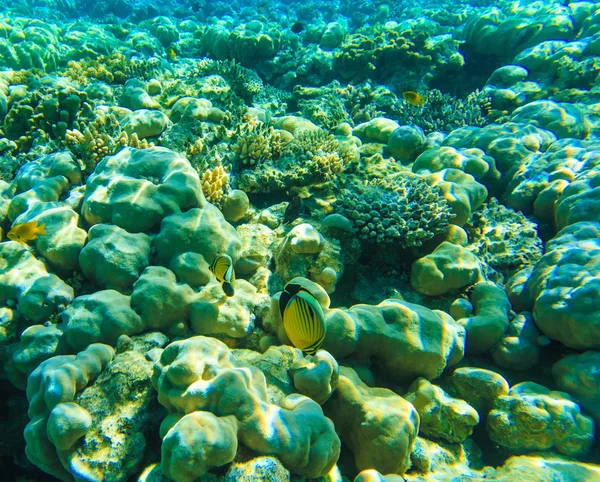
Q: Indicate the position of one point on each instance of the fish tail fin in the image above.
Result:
(228, 288)
(41, 229)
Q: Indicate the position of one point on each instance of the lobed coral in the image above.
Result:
(130, 236)
(232, 405)
(532, 417)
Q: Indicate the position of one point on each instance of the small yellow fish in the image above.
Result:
(222, 268)
(23, 233)
(414, 98)
(303, 318)
(172, 54)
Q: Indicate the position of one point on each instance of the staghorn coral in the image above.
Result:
(402, 211)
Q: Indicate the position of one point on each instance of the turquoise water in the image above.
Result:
(350, 240)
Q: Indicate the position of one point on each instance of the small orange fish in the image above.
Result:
(414, 98)
(172, 54)
(23, 233)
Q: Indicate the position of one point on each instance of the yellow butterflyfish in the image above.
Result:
(222, 268)
(303, 318)
(414, 98)
(25, 232)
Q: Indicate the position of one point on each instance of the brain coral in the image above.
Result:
(404, 211)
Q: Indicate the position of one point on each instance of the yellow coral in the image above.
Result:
(116, 68)
(100, 138)
(215, 183)
(257, 142)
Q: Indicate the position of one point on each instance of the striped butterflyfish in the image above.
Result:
(303, 318)
(222, 268)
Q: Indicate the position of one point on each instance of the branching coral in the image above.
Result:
(312, 157)
(245, 82)
(333, 104)
(445, 113)
(113, 69)
(100, 138)
(401, 211)
(215, 183)
(256, 142)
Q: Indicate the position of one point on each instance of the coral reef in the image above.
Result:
(424, 177)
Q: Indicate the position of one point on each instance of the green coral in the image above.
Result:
(333, 104)
(403, 211)
(444, 112)
(245, 82)
(505, 239)
(311, 157)
(112, 69)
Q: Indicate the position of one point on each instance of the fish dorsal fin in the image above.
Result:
(286, 295)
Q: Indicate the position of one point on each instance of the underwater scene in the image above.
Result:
(293, 241)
